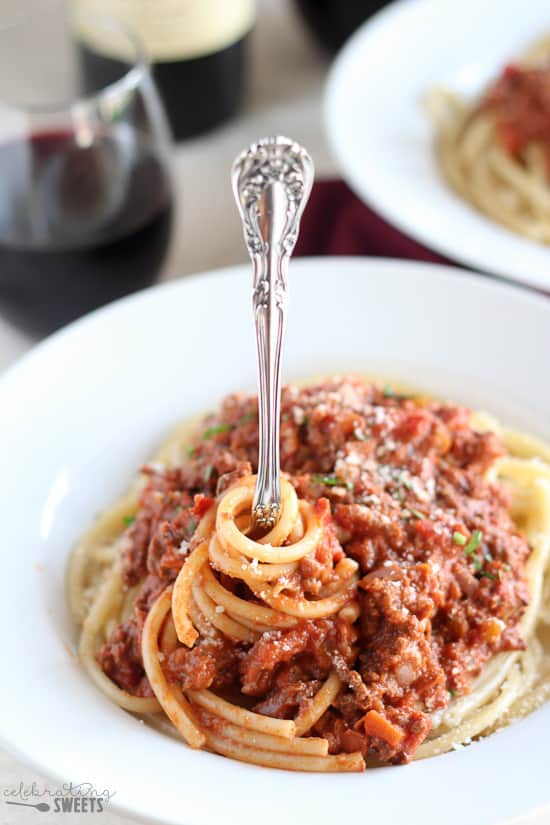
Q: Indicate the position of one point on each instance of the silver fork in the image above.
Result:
(272, 181)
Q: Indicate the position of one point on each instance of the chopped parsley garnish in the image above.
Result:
(191, 451)
(458, 538)
(486, 575)
(331, 481)
(389, 392)
(477, 561)
(474, 542)
(249, 416)
(221, 428)
(128, 520)
(208, 472)
(192, 525)
(417, 514)
(305, 421)
(452, 693)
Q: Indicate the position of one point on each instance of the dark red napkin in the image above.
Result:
(336, 222)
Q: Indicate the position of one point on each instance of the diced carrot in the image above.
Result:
(202, 504)
(322, 508)
(377, 725)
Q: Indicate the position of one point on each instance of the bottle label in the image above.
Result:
(170, 30)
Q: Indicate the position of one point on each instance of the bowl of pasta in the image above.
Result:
(386, 639)
(454, 146)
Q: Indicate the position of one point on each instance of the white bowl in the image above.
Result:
(382, 138)
(79, 414)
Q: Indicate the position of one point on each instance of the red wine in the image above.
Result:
(333, 21)
(197, 49)
(79, 225)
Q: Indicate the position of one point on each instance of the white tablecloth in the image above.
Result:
(285, 88)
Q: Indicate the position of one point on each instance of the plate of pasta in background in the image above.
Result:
(388, 637)
(443, 127)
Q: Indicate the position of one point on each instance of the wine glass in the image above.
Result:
(85, 200)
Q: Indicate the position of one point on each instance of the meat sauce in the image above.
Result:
(399, 483)
(520, 103)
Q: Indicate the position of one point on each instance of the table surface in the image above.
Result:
(286, 79)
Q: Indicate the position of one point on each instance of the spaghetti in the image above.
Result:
(313, 646)
(496, 154)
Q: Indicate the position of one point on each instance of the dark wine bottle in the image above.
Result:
(197, 49)
(333, 21)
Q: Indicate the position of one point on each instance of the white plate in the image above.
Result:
(79, 414)
(384, 142)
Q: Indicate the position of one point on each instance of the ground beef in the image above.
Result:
(120, 659)
(213, 662)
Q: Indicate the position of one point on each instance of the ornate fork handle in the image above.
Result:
(271, 182)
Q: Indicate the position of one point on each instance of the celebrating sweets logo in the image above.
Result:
(69, 798)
